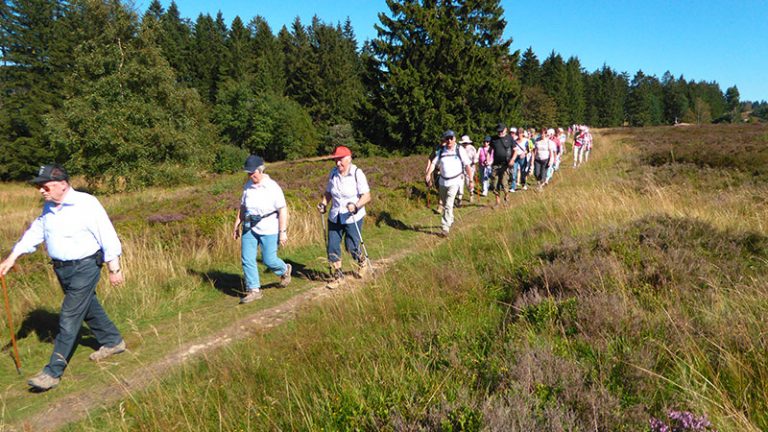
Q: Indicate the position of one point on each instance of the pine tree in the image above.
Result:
(36, 55)
(530, 69)
(238, 46)
(574, 89)
(442, 64)
(268, 59)
(675, 101)
(301, 66)
(554, 79)
(645, 101)
(209, 54)
(175, 41)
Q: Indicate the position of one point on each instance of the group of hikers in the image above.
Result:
(80, 237)
(502, 164)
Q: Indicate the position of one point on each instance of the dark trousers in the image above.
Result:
(351, 240)
(80, 304)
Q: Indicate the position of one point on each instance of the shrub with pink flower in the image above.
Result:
(682, 421)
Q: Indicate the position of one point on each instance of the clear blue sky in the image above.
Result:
(713, 40)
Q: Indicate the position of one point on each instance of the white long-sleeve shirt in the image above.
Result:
(76, 229)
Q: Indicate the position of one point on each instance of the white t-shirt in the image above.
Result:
(344, 190)
(262, 199)
(451, 164)
(543, 147)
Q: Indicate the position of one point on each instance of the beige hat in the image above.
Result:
(465, 140)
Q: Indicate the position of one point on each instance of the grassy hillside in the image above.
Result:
(632, 288)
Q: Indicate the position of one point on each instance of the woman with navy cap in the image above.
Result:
(263, 216)
(344, 199)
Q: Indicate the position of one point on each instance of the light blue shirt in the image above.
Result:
(73, 230)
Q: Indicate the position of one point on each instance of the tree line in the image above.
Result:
(132, 99)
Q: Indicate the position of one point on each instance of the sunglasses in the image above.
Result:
(43, 187)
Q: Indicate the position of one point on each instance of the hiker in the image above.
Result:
(502, 156)
(471, 152)
(79, 238)
(347, 193)
(578, 145)
(453, 162)
(555, 138)
(543, 157)
(519, 161)
(263, 220)
(485, 163)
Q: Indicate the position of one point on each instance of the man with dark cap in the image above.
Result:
(79, 238)
(502, 157)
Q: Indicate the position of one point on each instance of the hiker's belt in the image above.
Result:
(255, 219)
(61, 263)
(451, 178)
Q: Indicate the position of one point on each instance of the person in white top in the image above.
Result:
(543, 157)
(79, 238)
(263, 220)
(453, 163)
(347, 192)
(469, 181)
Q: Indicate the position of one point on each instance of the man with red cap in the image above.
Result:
(344, 199)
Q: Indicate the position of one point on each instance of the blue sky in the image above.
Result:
(724, 41)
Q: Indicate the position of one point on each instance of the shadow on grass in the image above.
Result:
(387, 219)
(227, 283)
(300, 270)
(44, 324)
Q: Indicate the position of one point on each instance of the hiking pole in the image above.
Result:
(10, 327)
(362, 243)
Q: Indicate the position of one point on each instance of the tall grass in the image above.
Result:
(611, 297)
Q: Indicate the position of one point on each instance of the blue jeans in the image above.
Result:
(80, 304)
(249, 248)
(351, 240)
(520, 168)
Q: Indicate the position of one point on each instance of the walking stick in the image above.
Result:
(10, 327)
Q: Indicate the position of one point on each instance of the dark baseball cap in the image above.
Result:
(449, 134)
(487, 138)
(500, 127)
(50, 172)
(253, 163)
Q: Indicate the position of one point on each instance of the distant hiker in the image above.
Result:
(519, 161)
(485, 163)
(555, 138)
(502, 155)
(347, 193)
(543, 157)
(471, 152)
(578, 145)
(263, 220)
(79, 238)
(452, 161)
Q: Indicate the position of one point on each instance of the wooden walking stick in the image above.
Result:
(10, 327)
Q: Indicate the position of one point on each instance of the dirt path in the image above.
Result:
(76, 406)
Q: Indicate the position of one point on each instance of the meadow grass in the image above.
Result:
(615, 295)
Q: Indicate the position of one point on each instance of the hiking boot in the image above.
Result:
(363, 268)
(106, 351)
(285, 279)
(251, 296)
(443, 233)
(338, 279)
(43, 381)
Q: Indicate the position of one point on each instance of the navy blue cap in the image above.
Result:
(50, 172)
(500, 127)
(252, 163)
(487, 138)
(449, 134)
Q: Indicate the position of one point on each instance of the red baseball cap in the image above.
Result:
(340, 152)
